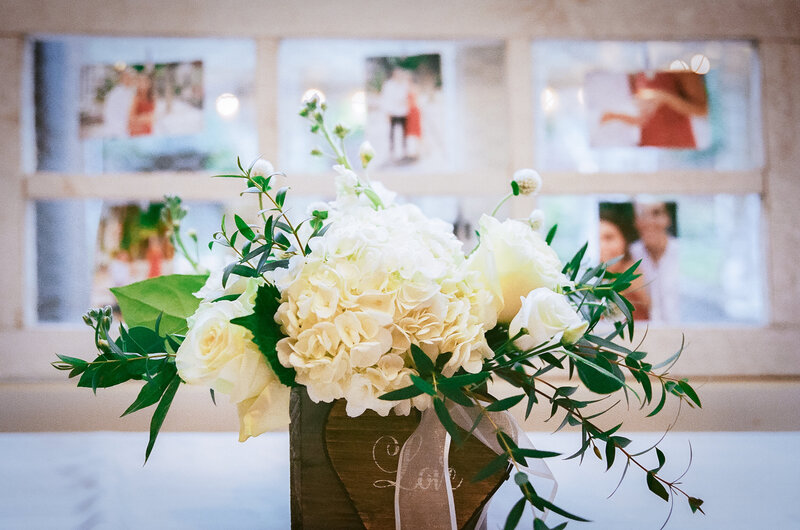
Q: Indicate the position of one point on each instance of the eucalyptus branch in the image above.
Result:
(591, 429)
(280, 210)
(63, 365)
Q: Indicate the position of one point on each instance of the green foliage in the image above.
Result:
(169, 298)
(266, 332)
(139, 353)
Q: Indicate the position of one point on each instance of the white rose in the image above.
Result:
(545, 314)
(514, 260)
(266, 411)
(211, 342)
(222, 356)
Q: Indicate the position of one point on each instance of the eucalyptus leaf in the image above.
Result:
(160, 413)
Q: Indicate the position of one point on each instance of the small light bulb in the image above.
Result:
(227, 105)
(549, 100)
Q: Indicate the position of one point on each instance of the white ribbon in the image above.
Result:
(423, 496)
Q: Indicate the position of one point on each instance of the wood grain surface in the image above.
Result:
(343, 469)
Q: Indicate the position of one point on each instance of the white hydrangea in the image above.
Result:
(375, 283)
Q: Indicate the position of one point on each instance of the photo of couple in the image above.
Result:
(124, 101)
(404, 110)
(644, 230)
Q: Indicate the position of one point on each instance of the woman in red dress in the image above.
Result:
(667, 102)
(140, 121)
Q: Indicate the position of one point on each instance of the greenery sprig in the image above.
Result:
(139, 353)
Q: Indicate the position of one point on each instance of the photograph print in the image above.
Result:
(665, 109)
(125, 101)
(405, 112)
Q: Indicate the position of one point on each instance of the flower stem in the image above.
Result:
(501, 203)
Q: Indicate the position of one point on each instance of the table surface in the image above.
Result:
(208, 480)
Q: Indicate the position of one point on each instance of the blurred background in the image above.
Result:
(106, 107)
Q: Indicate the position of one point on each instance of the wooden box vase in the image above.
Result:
(343, 469)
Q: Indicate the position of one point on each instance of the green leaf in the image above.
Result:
(543, 504)
(660, 403)
(598, 374)
(244, 271)
(244, 228)
(498, 463)
(152, 391)
(141, 303)
(538, 524)
(689, 391)
(423, 384)
(534, 453)
(280, 197)
(423, 363)
(551, 234)
(266, 332)
(373, 197)
(514, 188)
(463, 380)
(608, 344)
(161, 413)
(661, 459)
(656, 487)
(516, 512)
(401, 393)
(446, 419)
(505, 404)
(140, 339)
(455, 394)
(611, 452)
(110, 371)
(695, 504)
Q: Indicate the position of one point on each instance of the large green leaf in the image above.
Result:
(142, 302)
(266, 332)
(596, 380)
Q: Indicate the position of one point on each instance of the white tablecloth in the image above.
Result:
(208, 480)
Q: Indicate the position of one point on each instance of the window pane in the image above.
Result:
(107, 244)
(646, 106)
(433, 106)
(702, 255)
(105, 105)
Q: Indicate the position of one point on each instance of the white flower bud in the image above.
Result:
(536, 219)
(262, 168)
(528, 180)
(366, 153)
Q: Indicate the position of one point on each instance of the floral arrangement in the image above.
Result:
(370, 301)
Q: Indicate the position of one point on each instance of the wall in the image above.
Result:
(747, 376)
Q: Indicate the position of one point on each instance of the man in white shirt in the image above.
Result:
(394, 101)
(117, 106)
(660, 265)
